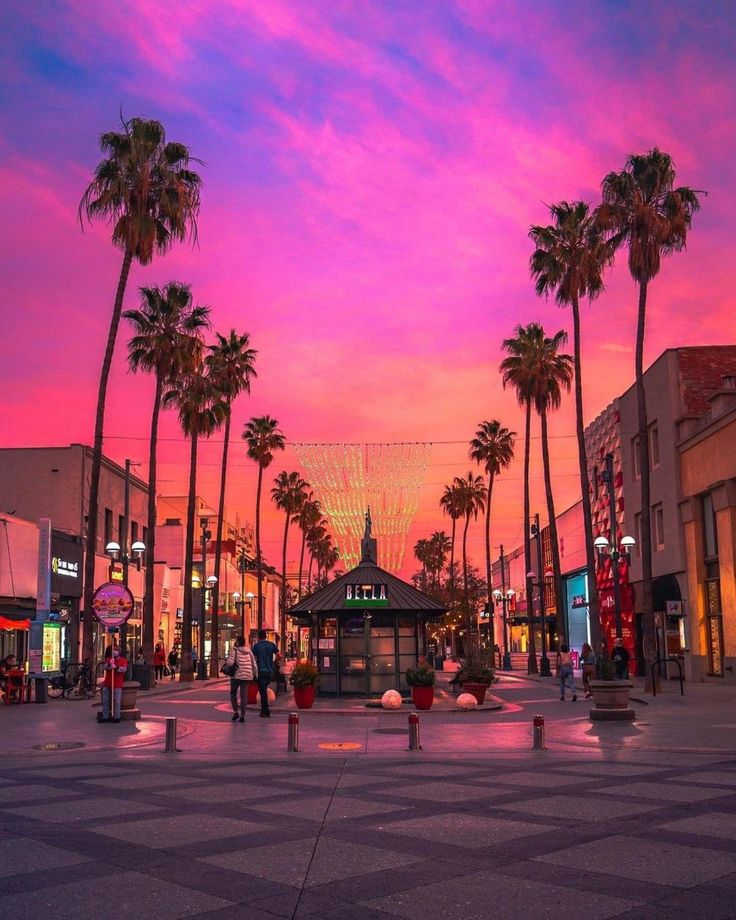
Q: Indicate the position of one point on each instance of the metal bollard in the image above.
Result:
(414, 742)
(170, 744)
(293, 741)
(539, 733)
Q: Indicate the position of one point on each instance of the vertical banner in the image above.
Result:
(43, 599)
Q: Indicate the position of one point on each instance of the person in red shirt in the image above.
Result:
(159, 661)
(112, 686)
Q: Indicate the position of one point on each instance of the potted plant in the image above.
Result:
(610, 696)
(421, 680)
(476, 675)
(304, 679)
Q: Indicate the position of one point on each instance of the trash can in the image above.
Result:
(439, 663)
(143, 674)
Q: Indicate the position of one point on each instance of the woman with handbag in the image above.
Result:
(240, 666)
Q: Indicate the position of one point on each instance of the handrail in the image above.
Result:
(658, 661)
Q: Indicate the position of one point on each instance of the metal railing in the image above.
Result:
(661, 661)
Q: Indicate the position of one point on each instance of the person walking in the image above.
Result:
(112, 685)
(564, 669)
(173, 661)
(242, 668)
(620, 658)
(195, 659)
(588, 661)
(264, 652)
(159, 661)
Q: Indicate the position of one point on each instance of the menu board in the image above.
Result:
(51, 648)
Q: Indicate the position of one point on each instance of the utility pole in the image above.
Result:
(206, 534)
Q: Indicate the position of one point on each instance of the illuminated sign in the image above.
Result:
(51, 648)
(112, 604)
(67, 563)
(366, 595)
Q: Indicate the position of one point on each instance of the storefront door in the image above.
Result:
(355, 657)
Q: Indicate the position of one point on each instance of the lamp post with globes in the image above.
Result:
(536, 579)
(503, 598)
(611, 546)
(240, 603)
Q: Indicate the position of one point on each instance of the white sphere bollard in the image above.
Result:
(271, 695)
(391, 699)
(467, 701)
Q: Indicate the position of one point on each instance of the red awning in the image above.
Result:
(6, 623)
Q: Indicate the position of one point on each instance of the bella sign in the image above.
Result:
(366, 595)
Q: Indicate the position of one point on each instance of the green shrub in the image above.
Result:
(305, 674)
(422, 675)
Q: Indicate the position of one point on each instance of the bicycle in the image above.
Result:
(76, 682)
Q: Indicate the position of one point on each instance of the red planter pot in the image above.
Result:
(304, 697)
(478, 691)
(252, 692)
(422, 697)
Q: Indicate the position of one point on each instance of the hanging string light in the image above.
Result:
(347, 478)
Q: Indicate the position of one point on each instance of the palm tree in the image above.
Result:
(231, 365)
(145, 188)
(263, 436)
(570, 257)
(422, 551)
(201, 411)
(308, 516)
(440, 546)
(515, 372)
(288, 493)
(315, 534)
(643, 208)
(167, 342)
(450, 504)
(471, 500)
(492, 448)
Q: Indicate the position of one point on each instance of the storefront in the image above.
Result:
(366, 628)
(67, 569)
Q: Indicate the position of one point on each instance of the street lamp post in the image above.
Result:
(611, 546)
(544, 668)
(503, 598)
(206, 535)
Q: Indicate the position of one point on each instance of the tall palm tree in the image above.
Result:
(146, 189)
(231, 366)
(492, 448)
(422, 553)
(288, 493)
(472, 500)
(167, 343)
(263, 436)
(308, 516)
(515, 373)
(315, 534)
(450, 504)
(644, 209)
(568, 261)
(440, 546)
(201, 411)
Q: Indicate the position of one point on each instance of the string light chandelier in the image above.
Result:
(348, 478)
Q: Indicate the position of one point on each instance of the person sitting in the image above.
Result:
(8, 664)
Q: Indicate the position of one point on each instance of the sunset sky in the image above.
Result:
(371, 172)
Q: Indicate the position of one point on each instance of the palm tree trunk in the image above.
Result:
(593, 616)
(259, 560)
(465, 578)
(452, 561)
(556, 567)
(283, 582)
(489, 573)
(187, 672)
(148, 599)
(309, 572)
(94, 484)
(215, 640)
(647, 609)
(532, 666)
(301, 561)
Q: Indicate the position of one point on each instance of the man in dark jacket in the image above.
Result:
(264, 652)
(620, 659)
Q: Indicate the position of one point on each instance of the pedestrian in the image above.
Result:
(8, 664)
(588, 660)
(564, 669)
(242, 668)
(112, 686)
(173, 662)
(195, 658)
(139, 657)
(620, 658)
(159, 661)
(264, 652)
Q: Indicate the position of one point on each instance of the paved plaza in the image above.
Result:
(610, 821)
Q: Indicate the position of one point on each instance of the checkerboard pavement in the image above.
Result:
(632, 836)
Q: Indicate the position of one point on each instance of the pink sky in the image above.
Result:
(371, 173)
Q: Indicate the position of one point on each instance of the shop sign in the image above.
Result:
(579, 600)
(112, 604)
(366, 595)
(66, 568)
(43, 582)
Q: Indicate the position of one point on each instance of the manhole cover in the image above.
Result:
(340, 745)
(391, 731)
(58, 746)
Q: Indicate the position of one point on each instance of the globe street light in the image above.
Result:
(617, 552)
(502, 599)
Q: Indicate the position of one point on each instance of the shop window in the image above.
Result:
(658, 526)
(108, 526)
(133, 532)
(654, 445)
(122, 535)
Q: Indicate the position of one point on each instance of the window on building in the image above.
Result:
(658, 526)
(710, 531)
(145, 541)
(635, 465)
(654, 445)
(121, 530)
(108, 526)
(133, 532)
(637, 535)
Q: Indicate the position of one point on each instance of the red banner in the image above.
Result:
(607, 607)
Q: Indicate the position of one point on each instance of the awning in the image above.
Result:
(6, 623)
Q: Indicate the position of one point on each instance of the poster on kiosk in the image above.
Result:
(44, 648)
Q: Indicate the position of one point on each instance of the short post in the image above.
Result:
(539, 733)
(293, 740)
(170, 745)
(414, 742)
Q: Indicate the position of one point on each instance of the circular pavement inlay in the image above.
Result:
(340, 745)
(391, 731)
(58, 746)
